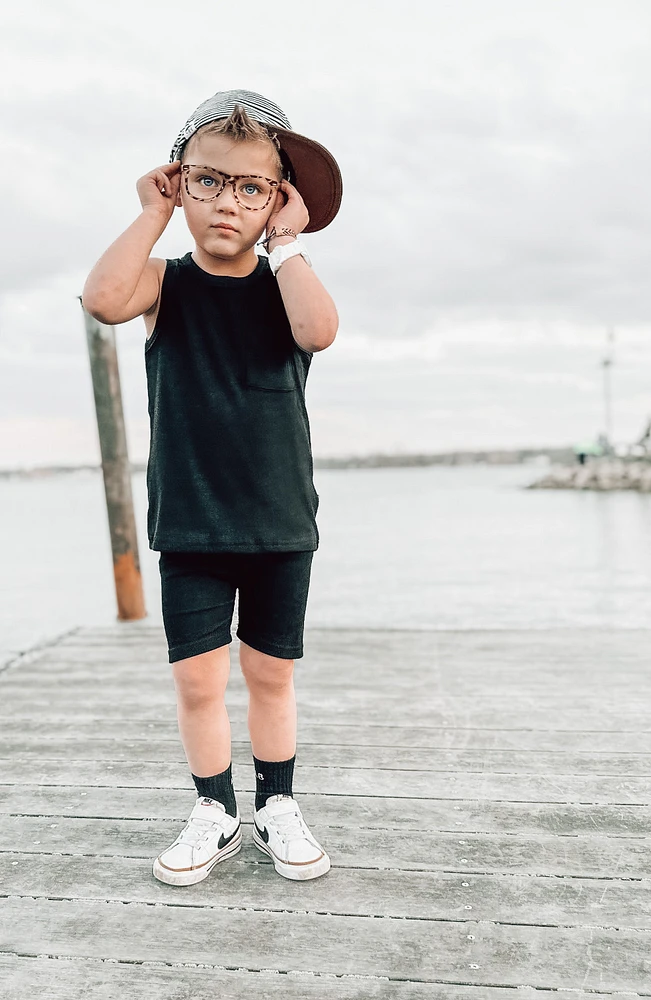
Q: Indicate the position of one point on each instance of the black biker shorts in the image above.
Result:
(198, 598)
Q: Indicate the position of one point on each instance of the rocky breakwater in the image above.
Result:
(598, 474)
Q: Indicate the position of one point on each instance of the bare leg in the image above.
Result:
(272, 703)
(204, 725)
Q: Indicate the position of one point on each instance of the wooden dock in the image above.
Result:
(485, 798)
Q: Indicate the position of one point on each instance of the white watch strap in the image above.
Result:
(283, 252)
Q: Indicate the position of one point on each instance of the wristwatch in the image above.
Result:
(283, 252)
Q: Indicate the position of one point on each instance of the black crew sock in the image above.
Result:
(272, 777)
(220, 788)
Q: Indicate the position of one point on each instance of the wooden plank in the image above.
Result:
(468, 952)
(543, 683)
(421, 706)
(344, 781)
(435, 689)
(413, 738)
(483, 655)
(85, 657)
(319, 705)
(560, 819)
(431, 694)
(589, 646)
(47, 727)
(247, 884)
(441, 666)
(456, 681)
(61, 979)
(118, 635)
(423, 661)
(594, 857)
(391, 758)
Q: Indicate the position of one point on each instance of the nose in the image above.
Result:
(225, 200)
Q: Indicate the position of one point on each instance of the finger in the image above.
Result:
(290, 188)
(278, 203)
(167, 174)
(171, 168)
(175, 181)
(164, 183)
(291, 193)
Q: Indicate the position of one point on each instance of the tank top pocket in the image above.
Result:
(269, 368)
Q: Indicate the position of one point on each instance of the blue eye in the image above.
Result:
(211, 181)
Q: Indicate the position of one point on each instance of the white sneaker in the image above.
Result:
(210, 836)
(281, 832)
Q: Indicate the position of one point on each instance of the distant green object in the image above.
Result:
(588, 449)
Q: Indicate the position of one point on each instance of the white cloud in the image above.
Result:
(495, 163)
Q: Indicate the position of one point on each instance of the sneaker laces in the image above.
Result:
(196, 830)
(290, 825)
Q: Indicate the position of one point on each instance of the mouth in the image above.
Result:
(225, 227)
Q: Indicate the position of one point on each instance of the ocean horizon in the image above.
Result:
(435, 547)
(373, 459)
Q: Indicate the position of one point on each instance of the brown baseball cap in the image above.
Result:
(308, 165)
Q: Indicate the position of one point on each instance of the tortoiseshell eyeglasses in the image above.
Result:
(251, 191)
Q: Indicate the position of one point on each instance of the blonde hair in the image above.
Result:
(240, 127)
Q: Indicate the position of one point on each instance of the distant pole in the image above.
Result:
(115, 468)
(607, 365)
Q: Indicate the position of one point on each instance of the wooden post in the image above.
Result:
(115, 467)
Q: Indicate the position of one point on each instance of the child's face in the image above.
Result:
(204, 217)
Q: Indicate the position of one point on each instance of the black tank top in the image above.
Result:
(230, 461)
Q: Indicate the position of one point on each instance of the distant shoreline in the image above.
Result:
(379, 460)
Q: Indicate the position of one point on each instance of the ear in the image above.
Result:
(179, 203)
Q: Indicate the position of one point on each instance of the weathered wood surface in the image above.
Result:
(400, 815)
(396, 893)
(388, 757)
(485, 799)
(487, 853)
(61, 979)
(348, 781)
(123, 731)
(423, 950)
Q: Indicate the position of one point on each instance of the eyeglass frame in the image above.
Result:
(229, 179)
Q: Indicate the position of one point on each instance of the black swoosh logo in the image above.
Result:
(263, 833)
(226, 840)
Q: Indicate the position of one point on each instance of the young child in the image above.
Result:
(232, 504)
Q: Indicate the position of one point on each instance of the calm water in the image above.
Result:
(419, 548)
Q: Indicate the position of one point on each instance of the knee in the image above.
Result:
(266, 676)
(200, 681)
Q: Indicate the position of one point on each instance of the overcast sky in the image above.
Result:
(496, 217)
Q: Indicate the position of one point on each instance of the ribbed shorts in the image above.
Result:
(198, 592)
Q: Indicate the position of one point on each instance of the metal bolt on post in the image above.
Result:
(115, 468)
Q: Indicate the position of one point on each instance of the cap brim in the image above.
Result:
(316, 176)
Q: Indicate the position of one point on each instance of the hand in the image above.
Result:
(289, 210)
(159, 189)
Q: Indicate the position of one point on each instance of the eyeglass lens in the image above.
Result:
(204, 184)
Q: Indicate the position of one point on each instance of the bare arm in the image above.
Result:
(310, 309)
(125, 281)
